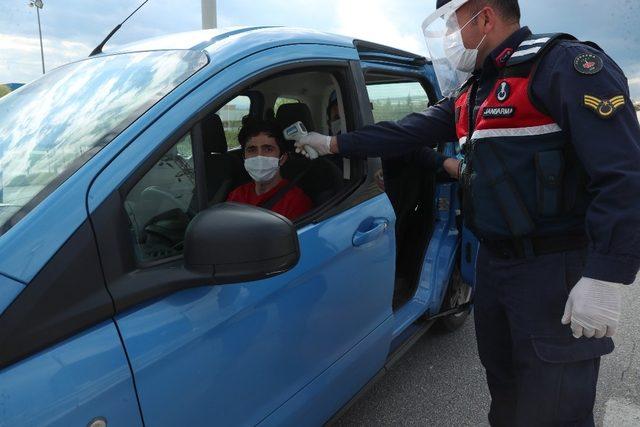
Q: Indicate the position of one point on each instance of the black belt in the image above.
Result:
(534, 246)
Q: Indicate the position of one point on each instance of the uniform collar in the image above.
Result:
(498, 58)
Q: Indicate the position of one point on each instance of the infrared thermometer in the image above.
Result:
(295, 132)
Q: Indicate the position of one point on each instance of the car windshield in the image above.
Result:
(51, 127)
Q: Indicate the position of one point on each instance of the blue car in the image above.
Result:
(132, 294)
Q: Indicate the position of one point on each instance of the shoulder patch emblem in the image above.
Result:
(588, 63)
(604, 108)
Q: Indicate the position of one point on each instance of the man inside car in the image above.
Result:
(264, 150)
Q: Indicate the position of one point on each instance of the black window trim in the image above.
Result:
(67, 296)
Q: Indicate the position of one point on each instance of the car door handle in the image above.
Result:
(376, 229)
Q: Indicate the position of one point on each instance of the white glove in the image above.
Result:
(321, 144)
(593, 308)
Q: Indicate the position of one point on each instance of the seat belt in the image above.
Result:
(273, 200)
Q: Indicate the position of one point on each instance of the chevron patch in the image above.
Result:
(604, 108)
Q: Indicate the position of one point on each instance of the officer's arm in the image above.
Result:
(606, 137)
(390, 139)
(428, 158)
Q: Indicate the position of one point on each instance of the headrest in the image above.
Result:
(289, 114)
(214, 139)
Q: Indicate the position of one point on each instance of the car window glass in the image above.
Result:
(231, 115)
(393, 101)
(162, 203)
(52, 126)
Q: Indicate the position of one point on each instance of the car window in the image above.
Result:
(51, 127)
(393, 101)
(231, 115)
(162, 203)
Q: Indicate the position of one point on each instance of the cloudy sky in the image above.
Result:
(71, 28)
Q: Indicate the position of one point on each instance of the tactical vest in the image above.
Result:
(520, 177)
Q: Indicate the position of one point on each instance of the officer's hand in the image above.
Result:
(321, 144)
(593, 308)
(452, 167)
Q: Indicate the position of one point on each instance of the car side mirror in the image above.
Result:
(237, 243)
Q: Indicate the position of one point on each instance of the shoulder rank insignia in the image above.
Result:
(604, 108)
(588, 63)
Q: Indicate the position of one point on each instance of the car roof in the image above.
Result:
(246, 36)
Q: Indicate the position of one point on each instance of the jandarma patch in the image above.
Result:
(604, 108)
(498, 112)
(588, 63)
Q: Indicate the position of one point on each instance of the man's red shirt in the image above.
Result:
(292, 205)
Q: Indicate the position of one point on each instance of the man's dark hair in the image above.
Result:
(252, 126)
(508, 9)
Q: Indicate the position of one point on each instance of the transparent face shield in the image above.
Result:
(443, 35)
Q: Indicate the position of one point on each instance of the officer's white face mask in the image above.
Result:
(262, 168)
(461, 58)
(452, 61)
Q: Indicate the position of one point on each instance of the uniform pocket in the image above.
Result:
(549, 173)
(573, 365)
(567, 349)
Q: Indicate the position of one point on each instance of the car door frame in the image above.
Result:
(110, 222)
(440, 255)
(130, 286)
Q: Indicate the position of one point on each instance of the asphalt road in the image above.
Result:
(440, 381)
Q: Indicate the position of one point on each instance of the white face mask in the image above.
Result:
(460, 57)
(262, 169)
(336, 127)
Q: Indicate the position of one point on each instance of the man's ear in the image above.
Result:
(489, 18)
(284, 158)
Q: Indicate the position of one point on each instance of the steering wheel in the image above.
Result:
(173, 210)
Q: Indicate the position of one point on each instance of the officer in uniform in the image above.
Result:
(551, 187)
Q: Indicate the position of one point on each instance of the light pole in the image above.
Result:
(209, 14)
(39, 5)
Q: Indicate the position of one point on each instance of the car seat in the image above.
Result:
(223, 171)
(320, 179)
(289, 114)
